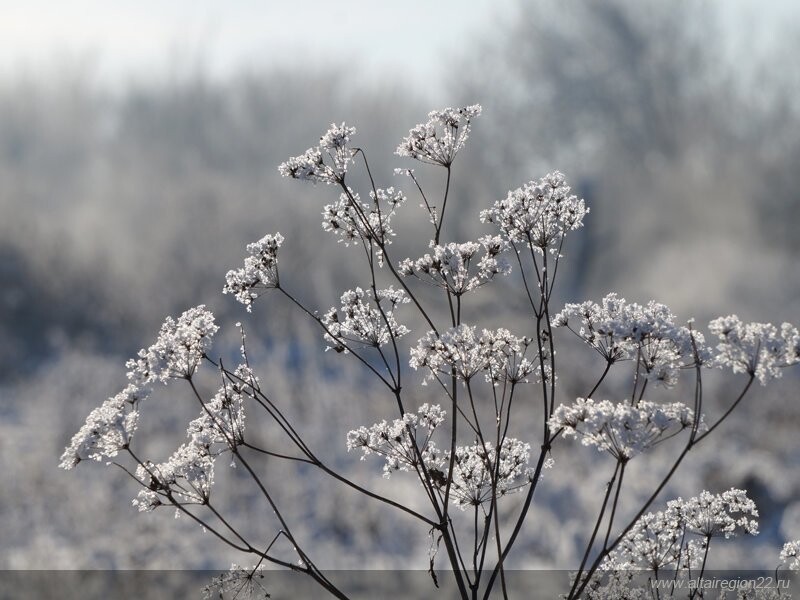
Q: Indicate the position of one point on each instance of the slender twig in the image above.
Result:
(444, 205)
(599, 381)
(590, 544)
(727, 412)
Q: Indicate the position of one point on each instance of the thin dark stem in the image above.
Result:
(614, 505)
(503, 586)
(424, 199)
(524, 279)
(276, 454)
(602, 377)
(444, 205)
(619, 538)
(609, 487)
(694, 592)
(373, 495)
(727, 412)
(528, 498)
(316, 319)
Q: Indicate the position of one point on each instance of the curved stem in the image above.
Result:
(727, 412)
(602, 377)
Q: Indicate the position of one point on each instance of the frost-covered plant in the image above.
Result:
(259, 273)
(647, 334)
(473, 451)
(361, 324)
(790, 555)
(484, 473)
(680, 535)
(448, 266)
(621, 429)
(438, 140)
(758, 349)
(239, 582)
(539, 214)
(405, 443)
(461, 352)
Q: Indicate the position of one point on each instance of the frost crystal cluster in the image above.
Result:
(758, 349)
(438, 140)
(259, 273)
(222, 420)
(178, 350)
(325, 163)
(356, 322)
(619, 330)
(498, 354)
(405, 443)
(448, 267)
(176, 353)
(539, 214)
(355, 221)
(480, 472)
(621, 429)
(109, 428)
(663, 539)
(715, 515)
(790, 555)
(185, 478)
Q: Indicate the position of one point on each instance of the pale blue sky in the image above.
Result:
(411, 39)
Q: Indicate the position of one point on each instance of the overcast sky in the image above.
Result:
(125, 38)
(120, 39)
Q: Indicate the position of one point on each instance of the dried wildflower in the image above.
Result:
(241, 583)
(355, 221)
(186, 477)
(757, 349)
(176, 353)
(622, 430)
(358, 322)
(438, 140)
(221, 421)
(312, 165)
(619, 330)
(109, 428)
(664, 539)
(394, 441)
(790, 555)
(259, 273)
(448, 266)
(714, 515)
(479, 470)
(178, 350)
(539, 214)
(498, 354)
